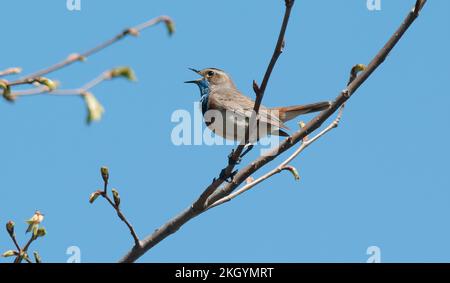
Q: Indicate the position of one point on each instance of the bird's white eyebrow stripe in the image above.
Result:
(217, 70)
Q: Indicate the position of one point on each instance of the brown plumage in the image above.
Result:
(219, 93)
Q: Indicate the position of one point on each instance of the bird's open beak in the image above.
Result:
(194, 81)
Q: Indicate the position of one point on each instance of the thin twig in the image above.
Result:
(81, 57)
(13, 238)
(122, 217)
(10, 71)
(27, 245)
(43, 90)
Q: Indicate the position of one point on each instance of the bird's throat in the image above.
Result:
(204, 95)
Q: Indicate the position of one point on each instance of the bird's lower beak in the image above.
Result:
(194, 81)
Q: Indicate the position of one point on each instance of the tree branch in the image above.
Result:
(115, 204)
(123, 218)
(13, 238)
(316, 122)
(41, 90)
(134, 31)
(10, 71)
(175, 223)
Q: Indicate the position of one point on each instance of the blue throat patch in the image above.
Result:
(204, 93)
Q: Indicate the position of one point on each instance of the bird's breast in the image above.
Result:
(204, 100)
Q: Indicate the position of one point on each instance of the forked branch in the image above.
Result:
(115, 203)
(217, 194)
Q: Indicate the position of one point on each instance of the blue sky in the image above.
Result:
(381, 179)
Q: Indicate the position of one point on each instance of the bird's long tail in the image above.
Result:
(290, 112)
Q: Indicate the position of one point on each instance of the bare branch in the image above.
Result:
(123, 218)
(43, 90)
(10, 71)
(134, 31)
(175, 223)
(115, 204)
(13, 238)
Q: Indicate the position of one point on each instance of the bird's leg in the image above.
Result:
(231, 159)
(238, 160)
(228, 179)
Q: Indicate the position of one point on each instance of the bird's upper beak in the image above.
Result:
(194, 81)
(194, 70)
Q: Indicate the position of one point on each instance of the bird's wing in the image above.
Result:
(243, 106)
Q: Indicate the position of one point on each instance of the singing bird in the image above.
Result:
(227, 111)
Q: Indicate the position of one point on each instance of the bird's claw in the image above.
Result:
(229, 178)
(232, 159)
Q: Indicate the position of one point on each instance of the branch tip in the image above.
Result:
(293, 171)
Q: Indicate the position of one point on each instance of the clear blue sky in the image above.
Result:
(380, 179)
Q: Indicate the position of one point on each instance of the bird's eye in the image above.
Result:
(210, 73)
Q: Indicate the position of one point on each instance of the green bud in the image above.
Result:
(293, 170)
(125, 72)
(35, 230)
(9, 253)
(3, 85)
(355, 70)
(47, 82)
(116, 197)
(10, 227)
(105, 173)
(95, 109)
(94, 196)
(359, 67)
(41, 232)
(37, 257)
(7, 91)
(170, 25)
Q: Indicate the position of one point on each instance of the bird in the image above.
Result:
(227, 111)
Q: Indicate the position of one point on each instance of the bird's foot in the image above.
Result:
(228, 179)
(232, 159)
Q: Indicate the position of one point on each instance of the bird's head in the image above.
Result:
(214, 77)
